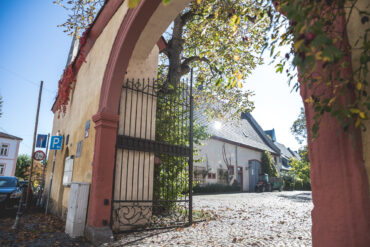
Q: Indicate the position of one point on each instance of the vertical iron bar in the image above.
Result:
(145, 136)
(133, 162)
(129, 134)
(141, 126)
(155, 94)
(124, 130)
(191, 152)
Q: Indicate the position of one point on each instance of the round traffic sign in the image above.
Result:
(39, 155)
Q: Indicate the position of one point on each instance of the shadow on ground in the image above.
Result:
(136, 238)
(35, 229)
(301, 197)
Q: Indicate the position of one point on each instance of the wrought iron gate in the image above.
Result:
(154, 157)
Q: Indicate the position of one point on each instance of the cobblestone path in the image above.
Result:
(245, 219)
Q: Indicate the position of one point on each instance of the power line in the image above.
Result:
(26, 79)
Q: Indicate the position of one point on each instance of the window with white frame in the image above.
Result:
(4, 149)
(68, 171)
(2, 169)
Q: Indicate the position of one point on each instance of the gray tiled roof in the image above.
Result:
(239, 131)
(285, 151)
(5, 135)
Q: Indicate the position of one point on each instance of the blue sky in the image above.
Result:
(33, 48)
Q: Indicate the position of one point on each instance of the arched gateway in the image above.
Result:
(122, 44)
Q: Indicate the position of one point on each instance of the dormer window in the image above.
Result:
(245, 134)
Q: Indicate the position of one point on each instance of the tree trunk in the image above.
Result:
(174, 52)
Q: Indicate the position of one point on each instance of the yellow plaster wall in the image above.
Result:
(82, 106)
(355, 30)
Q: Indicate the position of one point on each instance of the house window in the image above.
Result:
(79, 149)
(2, 169)
(4, 149)
(211, 175)
(68, 171)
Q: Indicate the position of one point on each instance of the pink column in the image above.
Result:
(99, 214)
(340, 194)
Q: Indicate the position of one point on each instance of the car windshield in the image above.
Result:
(8, 182)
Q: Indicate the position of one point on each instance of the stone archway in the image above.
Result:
(341, 216)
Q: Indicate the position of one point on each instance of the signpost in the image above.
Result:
(40, 197)
(39, 155)
(41, 141)
(55, 144)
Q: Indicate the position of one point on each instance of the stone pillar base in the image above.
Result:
(99, 235)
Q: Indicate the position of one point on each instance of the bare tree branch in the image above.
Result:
(185, 64)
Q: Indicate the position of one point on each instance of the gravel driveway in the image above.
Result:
(245, 219)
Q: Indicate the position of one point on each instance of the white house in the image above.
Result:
(233, 146)
(286, 153)
(9, 146)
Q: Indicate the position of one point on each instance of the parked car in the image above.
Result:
(10, 192)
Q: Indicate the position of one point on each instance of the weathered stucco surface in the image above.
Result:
(355, 30)
(82, 106)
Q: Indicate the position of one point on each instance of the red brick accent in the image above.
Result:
(103, 168)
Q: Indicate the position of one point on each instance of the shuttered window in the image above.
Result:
(68, 171)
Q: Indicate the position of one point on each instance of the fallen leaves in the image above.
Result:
(36, 228)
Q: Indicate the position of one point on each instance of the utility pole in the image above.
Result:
(33, 145)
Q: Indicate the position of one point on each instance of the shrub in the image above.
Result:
(216, 188)
(267, 165)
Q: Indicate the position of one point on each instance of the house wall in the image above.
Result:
(82, 106)
(10, 161)
(355, 30)
(211, 151)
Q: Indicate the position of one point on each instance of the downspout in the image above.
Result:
(236, 163)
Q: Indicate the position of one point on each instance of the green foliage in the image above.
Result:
(303, 153)
(299, 129)
(171, 176)
(298, 177)
(234, 32)
(300, 169)
(316, 45)
(288, 181)
(223, 54)
(216, 188)
(267, 165)
(81, 14)
(23, 163)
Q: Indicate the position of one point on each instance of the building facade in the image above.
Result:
(9, 147)
(233, 153)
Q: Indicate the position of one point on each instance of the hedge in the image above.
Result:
(216, 188)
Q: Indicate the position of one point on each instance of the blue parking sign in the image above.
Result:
(56, 142)
(41, 141)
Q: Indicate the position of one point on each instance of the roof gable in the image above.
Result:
(243, 131)
(7, 136)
